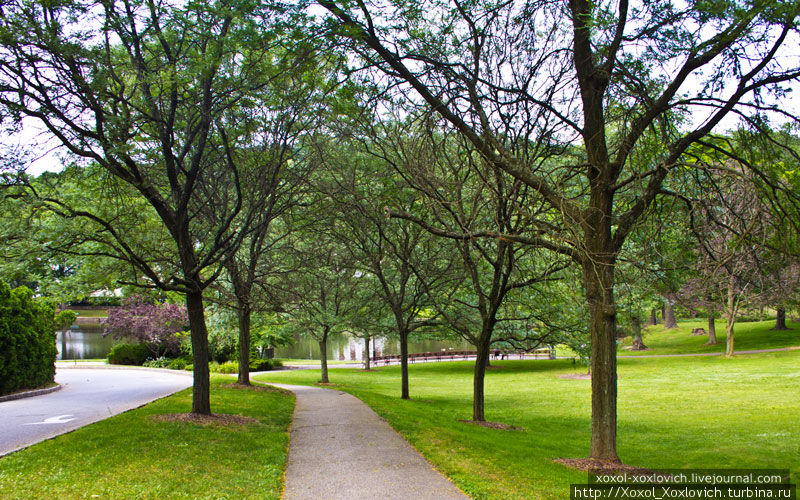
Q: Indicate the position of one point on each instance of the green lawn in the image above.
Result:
(91, 313)
(673, 413)
(133, 456)
(747, 336)
(315, 362)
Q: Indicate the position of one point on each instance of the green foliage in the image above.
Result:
(260, 365)
(64, 319)
(222, 345)
(256, 365)
(160, 362)
(27, 341)
(177, 364)
(228, 367)
(266, 330)
(128, 354)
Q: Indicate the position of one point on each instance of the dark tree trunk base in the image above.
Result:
(780, 321)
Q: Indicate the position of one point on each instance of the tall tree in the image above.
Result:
(322, 293)
(608, 76)
(141, 92)
(402, 257)
(466, 196)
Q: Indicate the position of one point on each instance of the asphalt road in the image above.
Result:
(87, 395)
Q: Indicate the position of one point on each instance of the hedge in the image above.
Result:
(27, 341)
(129, 354)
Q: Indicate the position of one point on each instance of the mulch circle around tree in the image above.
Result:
(494, 425)
(601, 466)
(220, 419)
(576, 376)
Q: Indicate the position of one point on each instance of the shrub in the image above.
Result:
(260, 365)
(161, 362)
(177, 364)
(27, 341)
(128, 354)
(229, 367)
(189, 368)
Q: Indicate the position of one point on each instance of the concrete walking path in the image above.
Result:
(340, 449)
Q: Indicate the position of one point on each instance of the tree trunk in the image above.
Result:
(201, 401)
(366, 353)
(780, 320)
(599, 282)
(323, 354)
(404, 394)
(638, 344)
(731, 318)
(653, 317)
(481, 362)
(712, 328)
(244, 344)
(669, 316)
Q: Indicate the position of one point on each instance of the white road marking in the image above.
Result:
(61, 419)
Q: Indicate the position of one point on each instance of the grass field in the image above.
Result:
(132, 455)
(673, 413)
(747, 336)
(91, 313)
(314, 362)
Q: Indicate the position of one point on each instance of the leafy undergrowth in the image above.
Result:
(747, 336)
(136, 455)
(710, 412)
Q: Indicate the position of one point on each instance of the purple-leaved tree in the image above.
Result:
(156, 325)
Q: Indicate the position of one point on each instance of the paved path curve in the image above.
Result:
(87, 395)
(340, 449)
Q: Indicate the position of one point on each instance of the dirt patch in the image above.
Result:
(326, 384)
(601, 466)
(494, 425)
(219, 419)
(576, 376)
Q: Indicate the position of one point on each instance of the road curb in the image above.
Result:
(30, 394)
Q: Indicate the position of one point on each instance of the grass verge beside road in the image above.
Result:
(132, 455)
(710, 412)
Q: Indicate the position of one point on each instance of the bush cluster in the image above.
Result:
(128, 354)
(27, 341)
(231, 367)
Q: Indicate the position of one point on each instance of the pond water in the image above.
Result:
(87, 342)
(84, 342)
(345, 348)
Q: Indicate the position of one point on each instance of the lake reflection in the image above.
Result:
(345, 348)
(84, 342)
(87, 342)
